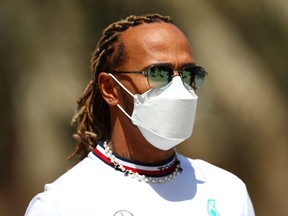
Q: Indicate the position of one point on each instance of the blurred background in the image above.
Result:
(241, 124)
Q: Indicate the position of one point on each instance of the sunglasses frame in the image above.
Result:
(171, 72)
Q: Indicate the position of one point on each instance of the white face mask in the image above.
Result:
(165, 116)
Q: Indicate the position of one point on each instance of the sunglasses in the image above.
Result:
(160, 75)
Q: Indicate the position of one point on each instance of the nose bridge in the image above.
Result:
(176, 72)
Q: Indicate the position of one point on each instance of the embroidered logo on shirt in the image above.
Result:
(211, 208)
(123, 213)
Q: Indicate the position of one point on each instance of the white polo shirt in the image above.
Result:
(94, 188)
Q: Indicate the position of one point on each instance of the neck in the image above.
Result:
(130, 144)
(139, 151)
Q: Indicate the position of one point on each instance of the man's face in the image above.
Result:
(150, 44)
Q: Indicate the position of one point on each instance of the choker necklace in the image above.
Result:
(153, 174)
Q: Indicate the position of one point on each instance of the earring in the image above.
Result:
(110, 100)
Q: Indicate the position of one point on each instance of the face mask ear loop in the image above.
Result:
(121, 85)
(126, 91)
(124, 111)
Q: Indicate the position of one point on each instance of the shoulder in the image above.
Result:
(79, 177)
(217, 184)
(212, 174)
(59, 195)
(43, 204)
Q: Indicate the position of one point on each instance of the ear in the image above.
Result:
(108, 89)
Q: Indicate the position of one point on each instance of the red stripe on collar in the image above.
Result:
(150, 171)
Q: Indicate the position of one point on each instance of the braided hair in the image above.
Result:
(92, 116)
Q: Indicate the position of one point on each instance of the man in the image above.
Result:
(140, 104)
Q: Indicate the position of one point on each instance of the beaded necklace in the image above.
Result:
(157, 175)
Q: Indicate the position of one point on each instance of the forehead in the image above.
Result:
(155, 43)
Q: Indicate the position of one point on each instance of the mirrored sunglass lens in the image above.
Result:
(194, 76)
(199, 78)
(159, 76)
(187, 76)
